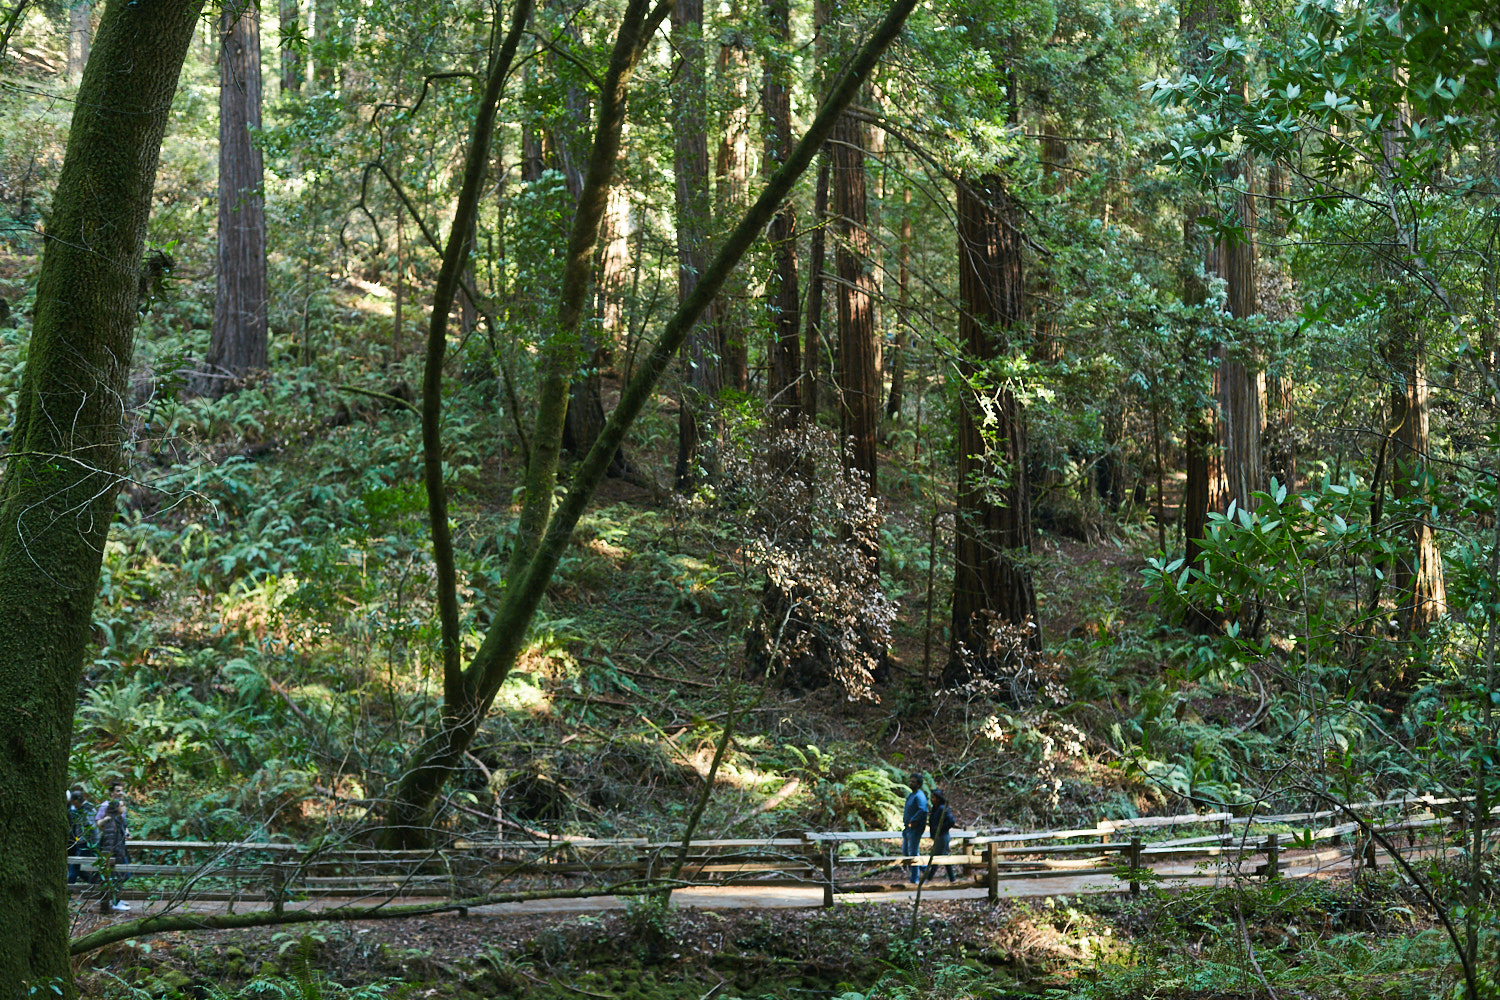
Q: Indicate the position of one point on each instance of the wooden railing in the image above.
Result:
(466, 868)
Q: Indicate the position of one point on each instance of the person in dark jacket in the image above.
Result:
(914, 823)
(112, 852)
(940, 825)
(81, 832)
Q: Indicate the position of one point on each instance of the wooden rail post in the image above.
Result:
(1135, 863)
(829, 849)
(1273, 856)
(992, 877)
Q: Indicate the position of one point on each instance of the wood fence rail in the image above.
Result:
(836, 860)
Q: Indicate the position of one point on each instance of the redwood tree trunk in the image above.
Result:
(238, 344)
(993, 525)
(732, 194)
(782, 297)
(859, 388)
(1418, 571)
(291, 59)
(57, 497)
(700, 352)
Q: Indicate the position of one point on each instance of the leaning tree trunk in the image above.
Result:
(696, 432)
(58, 494)
(238, 343)
(859, 388)
(992, 531)
(782, 298)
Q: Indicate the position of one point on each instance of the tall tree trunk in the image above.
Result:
(1280, 437)
(784, 384)
(859, 389)
(325, 19)
(992, 531)
(903, 320)
(238, 344)
(1418, 572)
(696, 426)
(817, 253)
(58, 491)
(80, 17)
(290, 13)
(732, 194)
(1235, 465)
(1227, 452)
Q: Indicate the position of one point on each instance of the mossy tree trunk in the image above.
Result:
(58, 494)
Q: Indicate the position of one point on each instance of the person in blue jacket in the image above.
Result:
(914, 823)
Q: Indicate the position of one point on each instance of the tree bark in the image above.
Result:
(57, 497)
(900, 344)
(79, 24)
(504, 640)
(291, 59)
(732, 188)
(784, 385)
(1235, 465)
(992, 532)
(702, 377)
(238, 343)
(812, 345)
(1418, 572)
(859, 389)
(325, 17)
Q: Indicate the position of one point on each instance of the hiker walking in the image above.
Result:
(941, 824)
(112, 853)
(82, 833)
(914, 823)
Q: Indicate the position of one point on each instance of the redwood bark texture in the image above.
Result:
(238, 344)
(859, 388)
(992, 532)
(57, 497)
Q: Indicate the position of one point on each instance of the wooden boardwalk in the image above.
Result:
(821, 868)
